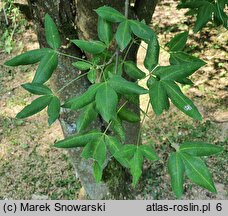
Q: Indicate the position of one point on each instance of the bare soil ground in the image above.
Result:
(30, 168)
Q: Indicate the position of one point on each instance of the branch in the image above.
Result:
(144, 9)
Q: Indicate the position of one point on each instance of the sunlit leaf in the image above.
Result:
(133, 71)
(81, 65)
(110, 14)
(36, 88)
(148, 152)
(94, 47)
(51, 32)
(104, 30)
(176, 172)
(123, 35)
(36, 106)
(178, 42)
(29, 57)
(53, 110)
(197, 172)
(180, 100)
(46, 67)
(200, 148)
(87, 115)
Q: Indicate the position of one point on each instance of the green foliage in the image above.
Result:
(110, 93)
(205, 10)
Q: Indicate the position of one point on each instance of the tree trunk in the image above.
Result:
(77, 19)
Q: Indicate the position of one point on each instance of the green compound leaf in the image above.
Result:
(177, 72)
(51, 33)
(81, 65)
(141, 30)
(200, 148)
(36, 88)
(86, 98)
(53, 110)
(86, 117)
(104, 30)
(96, 150)
(30, 57)
(97, 171)
(148, 152)
(152, 54)
(125, 154)
(118, 129)
(203, 16)
(36, 106)
(123, 86)
(133, 71)
(123, 35)
(106, 102)
(136, 164)
(92, 75)
(46, 67)
(110, 14)
(182, 57)
(113, 144)
(128, 115)
(180, 100)
(178, 42)
(176, 172)
(93, 47)
(158, 97)
(78, 140)
(197, 172)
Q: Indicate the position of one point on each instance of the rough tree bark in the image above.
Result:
(77, 19)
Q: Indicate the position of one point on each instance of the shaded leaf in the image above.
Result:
(178, 42)
(141, 30)
(104, 30)
(128, 115)
(158, 97)
(51, 33)
(84, 99)
(203, 16)
(136, 164)
(78, 140)
(197, 172)
(152, 54)
(53, 110)
(123, 86)
(94, 47)
(180, 100)
(92, 75)
(88, 115)
(118, 129)
(106, 102)
(30, 57)
(36, 106)
(177, 72)
(46, 67)
(36, 88)
(97, 171)
(113, 144)
(133, 71)
(81, 65)
(176, 172)
(148, 152)
(123, 35)
(95, 150)
(110, 14)
(200, 148)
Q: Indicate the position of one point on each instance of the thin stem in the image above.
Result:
(74, 57)
(5, 15)
(144, 117)
(106, 129)
(126, 8)
(77, 78)
(128, 49)
(117, 61)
